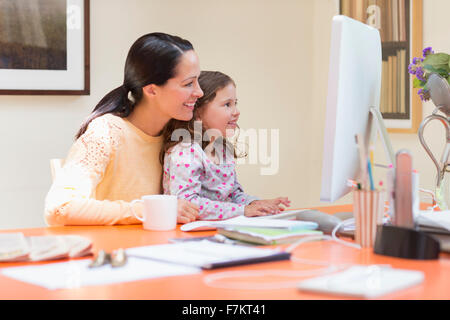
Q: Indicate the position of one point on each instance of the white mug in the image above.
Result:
(159, 212)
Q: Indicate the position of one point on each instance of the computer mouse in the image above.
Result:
(343, 215)
(327, 222)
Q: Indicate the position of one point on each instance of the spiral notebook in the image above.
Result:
(206, 254)
(267, 236)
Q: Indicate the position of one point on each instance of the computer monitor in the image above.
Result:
(354, 85)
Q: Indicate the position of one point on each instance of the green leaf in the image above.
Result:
(433, 69)
(417, 83)
(438, 60)
(441, 71)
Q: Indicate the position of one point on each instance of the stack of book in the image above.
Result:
(267, 236)
(394, 82)
(389, 16)
(15, 247)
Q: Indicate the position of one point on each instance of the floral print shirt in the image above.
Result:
(189, 173)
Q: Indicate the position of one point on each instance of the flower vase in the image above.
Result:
(443, 193)
(439, 90)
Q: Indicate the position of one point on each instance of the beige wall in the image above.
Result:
(277, 51)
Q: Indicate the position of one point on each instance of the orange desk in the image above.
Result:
(192, 287)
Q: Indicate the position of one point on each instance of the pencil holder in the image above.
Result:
(368, 210)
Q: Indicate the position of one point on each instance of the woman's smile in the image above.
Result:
(189, 105)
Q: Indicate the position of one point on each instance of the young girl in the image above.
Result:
(203, 171)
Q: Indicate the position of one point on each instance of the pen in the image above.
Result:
(371, 155)
(281, 255)
(369, 169)
(362, 159)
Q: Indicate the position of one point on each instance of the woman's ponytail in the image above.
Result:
(151, 59)
(115, 102)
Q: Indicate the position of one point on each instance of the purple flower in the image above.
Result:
(427, 51)
(416, 60)
(424, 94)
(412, 68)
(416, 63)
(420, 93)
(419, 74)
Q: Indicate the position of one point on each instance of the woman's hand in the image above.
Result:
(187, 211)
(272, 206)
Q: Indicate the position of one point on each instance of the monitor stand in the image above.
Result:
(375, 117)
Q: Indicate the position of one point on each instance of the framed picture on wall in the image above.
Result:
(400, 25)
(44, 47)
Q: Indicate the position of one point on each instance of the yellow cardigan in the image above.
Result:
(112, 163)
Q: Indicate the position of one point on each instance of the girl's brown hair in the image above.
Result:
(210, 82)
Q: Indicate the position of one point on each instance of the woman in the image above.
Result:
(115, 157)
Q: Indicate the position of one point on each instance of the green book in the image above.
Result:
(266, 236)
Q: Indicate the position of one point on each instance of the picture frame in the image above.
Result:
(400, 23)
(412, 124)
(57, 65)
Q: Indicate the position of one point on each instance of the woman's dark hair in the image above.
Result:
(152, 59)
(210, 82)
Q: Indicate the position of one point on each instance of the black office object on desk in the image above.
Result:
(282, 255)
(403, 239)
(405, 243)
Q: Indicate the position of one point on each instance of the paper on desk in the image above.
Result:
(436, 219)
(198, 253)
(75, 274)
(427, 218)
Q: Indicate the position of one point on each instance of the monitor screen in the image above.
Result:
(354, 85)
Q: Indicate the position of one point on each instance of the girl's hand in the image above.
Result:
(187, 211)
(255, 210)
(273, 206)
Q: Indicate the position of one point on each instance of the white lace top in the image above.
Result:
(112, 163)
